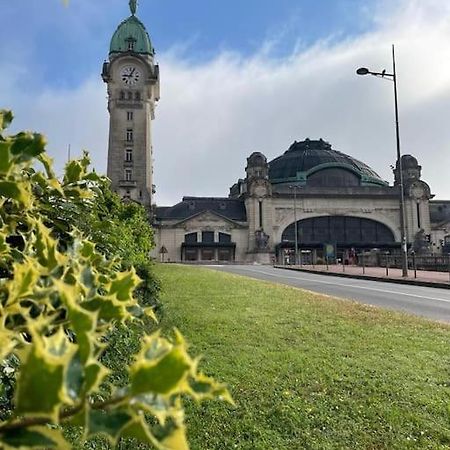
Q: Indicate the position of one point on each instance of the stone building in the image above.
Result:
(328, 203)
(341, 207)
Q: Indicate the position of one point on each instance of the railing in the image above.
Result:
(432, 263)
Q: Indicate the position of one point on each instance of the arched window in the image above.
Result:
(137, 96)
(190, 238)
(130, 95)
(122, 95)
(224, 238)
(348, 231)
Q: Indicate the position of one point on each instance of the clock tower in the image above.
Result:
(132, 78)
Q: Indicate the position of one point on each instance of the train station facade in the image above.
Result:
(341, 207)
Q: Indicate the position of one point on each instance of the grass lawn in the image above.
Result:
(308, 371)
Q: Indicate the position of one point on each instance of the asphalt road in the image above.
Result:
(433, 303)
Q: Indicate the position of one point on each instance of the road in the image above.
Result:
(433, 303)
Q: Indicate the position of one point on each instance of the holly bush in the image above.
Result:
(63, 290)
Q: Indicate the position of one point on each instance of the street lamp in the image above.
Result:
(294, 187)
(393, 76)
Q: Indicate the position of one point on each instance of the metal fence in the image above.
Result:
(431, 263)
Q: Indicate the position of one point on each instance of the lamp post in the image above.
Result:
(393, 76)
(294, 187)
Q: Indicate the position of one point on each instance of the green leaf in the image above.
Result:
(28, 145)
(74, 377)
(7, 342)
(160, 406)
(46, 249)
(108, 309)
(138, 429)
(40, 370)
(73, 172)
(108, 423)
(25, 279)
(124, 284)
(5, 158)
(164, 375)
(82, 321)
(202, 388)
(4, 246)
(33, 437)
(87, 249)
(94, 374)
(15, 191)
(176, 439)
(47, 162)
(6, 117)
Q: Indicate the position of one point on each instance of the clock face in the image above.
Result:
(130, 75)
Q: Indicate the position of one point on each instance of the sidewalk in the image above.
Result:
(423, 277)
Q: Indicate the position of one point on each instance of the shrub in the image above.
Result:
(63, 289)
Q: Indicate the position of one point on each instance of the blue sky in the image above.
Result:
(237, 77)
(64, 45)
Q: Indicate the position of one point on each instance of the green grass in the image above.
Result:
(308, 371)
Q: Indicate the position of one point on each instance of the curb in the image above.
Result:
(371, 278)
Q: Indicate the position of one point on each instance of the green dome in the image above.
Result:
(309, 160)
(131, 35)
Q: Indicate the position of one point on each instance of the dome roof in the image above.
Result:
(309, 157)
(131, 31)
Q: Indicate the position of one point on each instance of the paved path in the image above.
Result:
(430, 302)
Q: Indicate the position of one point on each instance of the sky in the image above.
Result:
(237, 77)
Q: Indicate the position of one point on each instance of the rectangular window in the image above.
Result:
(129, 115)
(224, 238)
(129, 135)
(129, 155)
(260, 214)
(190, 238)
(418, 215)
(208, 236)
(128, 174)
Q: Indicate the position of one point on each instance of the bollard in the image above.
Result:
(387, 265)
(363, 264)
(326, 259)
(343, 264)
(414, 264)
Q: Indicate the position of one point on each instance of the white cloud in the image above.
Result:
(67, 117)
(213, 115)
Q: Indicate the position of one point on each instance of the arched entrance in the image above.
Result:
(341, 235)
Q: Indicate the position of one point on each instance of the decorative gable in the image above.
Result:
(207, 221)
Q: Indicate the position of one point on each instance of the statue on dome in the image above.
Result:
(133, 6)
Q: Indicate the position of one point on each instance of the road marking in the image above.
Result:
(349, 285)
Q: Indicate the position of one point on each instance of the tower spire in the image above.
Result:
(133, 6)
